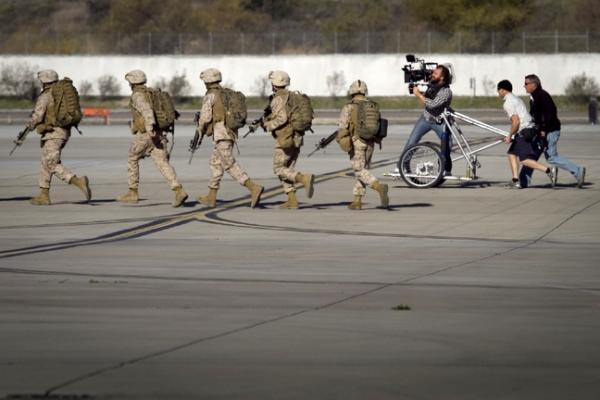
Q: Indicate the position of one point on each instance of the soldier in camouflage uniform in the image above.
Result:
(148, 141)
(360, 150)
(54, 139)
(288, 142)
(212, 123)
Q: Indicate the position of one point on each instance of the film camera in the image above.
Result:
(417, 72)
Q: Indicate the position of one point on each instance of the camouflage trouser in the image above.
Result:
(222, 160)
(360, 158)
(51, 164)
(283, 166)
(144, 145)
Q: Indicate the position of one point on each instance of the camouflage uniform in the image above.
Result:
(222, 158)
(361, 153)
(360, 150)
(147, 141)
(285, 154)
(53, 141)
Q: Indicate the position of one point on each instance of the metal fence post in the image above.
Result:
(304, 41)
(149, 43)
(180, 43)
(242, 49)
(27, 42)
(367, 41)
(398, 42)
(273, 43)
(587, 40)
(556, 41)
(429, 42)
(210, 43)
(459, 42)
(493, 42)
(335, 42)
(523, 44)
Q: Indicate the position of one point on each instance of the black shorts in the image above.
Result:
(523, 149)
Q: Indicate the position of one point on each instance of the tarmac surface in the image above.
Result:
(465, 291)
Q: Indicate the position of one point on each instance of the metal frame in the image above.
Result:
(449, 117)
(468, 153)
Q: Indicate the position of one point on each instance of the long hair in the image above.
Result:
(445, 74)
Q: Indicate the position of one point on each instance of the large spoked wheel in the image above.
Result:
(422, 165)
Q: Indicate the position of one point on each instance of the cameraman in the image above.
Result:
(437, 98)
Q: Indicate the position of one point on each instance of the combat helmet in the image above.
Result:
(211, 75)
(358, 87)
(135, 77)
(279, 78)
(47, 76)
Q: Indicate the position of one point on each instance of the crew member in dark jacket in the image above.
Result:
(543, 111)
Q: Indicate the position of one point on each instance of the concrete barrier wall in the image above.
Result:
(309, 73)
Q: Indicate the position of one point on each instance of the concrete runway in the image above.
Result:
(144, 301)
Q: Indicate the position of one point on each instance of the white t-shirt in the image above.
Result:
(515, 106)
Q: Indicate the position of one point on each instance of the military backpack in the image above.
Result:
(236, 112)
(67, 109)
(164, 110)
(301, 113)
(365, 118)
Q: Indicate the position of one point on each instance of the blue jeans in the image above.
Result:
(421, 128)
(551, 154)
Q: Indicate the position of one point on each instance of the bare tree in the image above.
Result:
(336, 83)
(581, 88)
(85, 88)
(108, 86)
(179, 86)
(261, 86)
(19, 80)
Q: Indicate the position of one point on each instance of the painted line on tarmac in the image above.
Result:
(213, 218)
(163, 223)
(410, 284)
(325, 306)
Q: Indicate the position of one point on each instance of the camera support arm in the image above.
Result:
(449, 117)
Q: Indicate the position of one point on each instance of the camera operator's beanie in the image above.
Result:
(505, 84)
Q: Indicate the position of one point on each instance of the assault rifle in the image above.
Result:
(20, 139)
(323, 143)
(197, 140)
(253, 126)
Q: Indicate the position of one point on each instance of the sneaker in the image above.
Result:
(513, 185)
(550, 176)
(447, 173)
(581, 178)
(554, 171)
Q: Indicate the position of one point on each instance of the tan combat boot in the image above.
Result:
(255, 192)
(291, 203)
(308, 181)
(83, 184)
(210, 199)
(356, 203)
(130, 197)
(382, 189)
(180, 196)
(42, 199)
